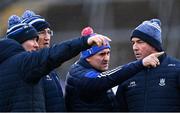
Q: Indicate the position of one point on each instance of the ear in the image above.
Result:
(88, 59)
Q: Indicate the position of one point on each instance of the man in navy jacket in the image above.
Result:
(152, 89)
(88, 81)
(51, 83)
(21, 68)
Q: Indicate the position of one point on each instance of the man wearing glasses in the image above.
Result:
(51, 82)
(45, 37)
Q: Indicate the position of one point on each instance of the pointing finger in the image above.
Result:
(158, 54)
(108, 39)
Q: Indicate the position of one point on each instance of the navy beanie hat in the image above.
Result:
(18, 31)
(93, 50)
(38, 22)
(150, 32)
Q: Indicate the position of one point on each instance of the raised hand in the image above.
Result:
(152, 60)
(94, 39)
(98, 40)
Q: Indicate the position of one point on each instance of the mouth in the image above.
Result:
(46, 43)
(138, 55)
(105, 64)
(34, 49)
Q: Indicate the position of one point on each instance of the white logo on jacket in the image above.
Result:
(162, 82)
(171, 65)
(132, 84)
(48, 77)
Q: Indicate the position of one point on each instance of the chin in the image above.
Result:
(105, 69)
(139, 58)
(46, 45)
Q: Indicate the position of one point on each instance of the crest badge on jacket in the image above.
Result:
(162, 82)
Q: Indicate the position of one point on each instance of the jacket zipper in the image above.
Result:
(145, 90)
(33, 99)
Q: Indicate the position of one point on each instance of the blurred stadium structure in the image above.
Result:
(114, 18)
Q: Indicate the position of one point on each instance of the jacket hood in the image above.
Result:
(8, 48)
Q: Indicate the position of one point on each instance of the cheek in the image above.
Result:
(97, 62)
(30, 45)
(40, 39)
(147, 50)
(144, 48)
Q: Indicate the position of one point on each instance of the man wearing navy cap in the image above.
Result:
(22, 67)
(152, 89)
(53, 92)
(88, 84)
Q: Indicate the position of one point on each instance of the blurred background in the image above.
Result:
(113, 18)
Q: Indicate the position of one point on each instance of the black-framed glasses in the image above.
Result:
(44, 32)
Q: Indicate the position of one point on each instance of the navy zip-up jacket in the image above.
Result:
(21, 71)
(153, 89)
(87, 89)
(53, 94)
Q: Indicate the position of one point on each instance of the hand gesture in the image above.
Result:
(152, 60)
(95, 39)
(98, 40)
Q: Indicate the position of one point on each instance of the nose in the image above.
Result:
(36, 46)
(135, 47)
(47, 37)
(106, 57)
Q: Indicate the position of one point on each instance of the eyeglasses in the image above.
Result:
(44, 32)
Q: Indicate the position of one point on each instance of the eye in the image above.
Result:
(45, 32)
(108, 53)
(37, 39)
(50, 32)
(42, 32)
(140, 41)
(101, 54)
(132, 42)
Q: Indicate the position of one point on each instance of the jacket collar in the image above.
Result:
(162, 57)
(8, 48)
(85, 64)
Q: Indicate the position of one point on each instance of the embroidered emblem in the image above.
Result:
(162, 82)
(25, 26)
(132, 84)
(48, 77)
(172, 65)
